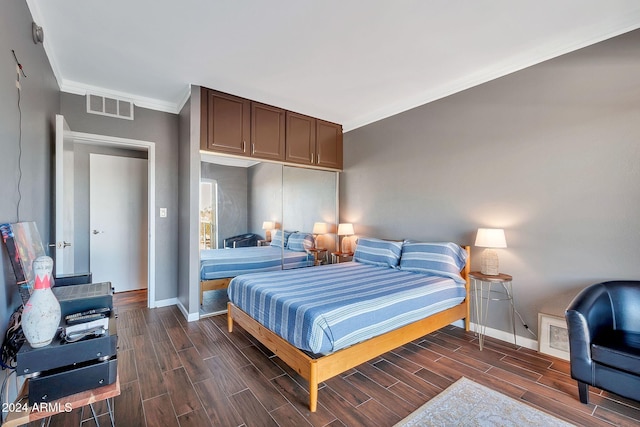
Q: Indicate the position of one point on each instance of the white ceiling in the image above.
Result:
(348, 61)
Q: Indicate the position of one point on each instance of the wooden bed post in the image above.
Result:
(229, 318)
(313, 386)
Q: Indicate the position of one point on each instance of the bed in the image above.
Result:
(219, 266)
(326, 320)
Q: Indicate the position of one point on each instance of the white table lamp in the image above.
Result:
(319, 228)
(268, 226)
(346, 230)
(490, 238)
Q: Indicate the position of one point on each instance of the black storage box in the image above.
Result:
(72, 279)
(63, 382)
(62, 354)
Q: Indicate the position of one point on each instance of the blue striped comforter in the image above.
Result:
(221, 263)
(326, 308)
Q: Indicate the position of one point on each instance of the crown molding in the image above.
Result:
(77, 88)
(185, 97)
(595, 34)
(36, 15)
(516, 64)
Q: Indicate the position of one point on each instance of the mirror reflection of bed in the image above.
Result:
(238, 198)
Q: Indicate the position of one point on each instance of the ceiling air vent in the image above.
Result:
(108, 106)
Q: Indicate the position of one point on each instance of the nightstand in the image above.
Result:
(485, 292)
(319, 256)
(338, 257)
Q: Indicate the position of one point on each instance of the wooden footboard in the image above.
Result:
(316, 370)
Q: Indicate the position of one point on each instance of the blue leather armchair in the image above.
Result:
(604, 338)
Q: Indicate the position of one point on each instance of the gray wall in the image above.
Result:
(39, 102)
(551, 154)
(189, 183)
(310, 196)
(81, 154)
(162, 129)
(265, 196)
(184, 212)
(232, 198)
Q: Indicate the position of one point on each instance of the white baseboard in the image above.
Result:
(166, 302)
(503, 336)
(191, 317)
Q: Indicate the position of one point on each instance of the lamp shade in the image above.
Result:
(268, 225)
(491, 238)
(320, 228)
(345, 229)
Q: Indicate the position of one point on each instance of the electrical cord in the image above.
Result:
(19, 153)
(525, 324)
(19, 156)
(13, 340)
(4, 391)
(20, 69)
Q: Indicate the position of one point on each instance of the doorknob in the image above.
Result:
(95, 232)
(60, 245)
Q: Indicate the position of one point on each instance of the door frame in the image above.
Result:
(150, 148)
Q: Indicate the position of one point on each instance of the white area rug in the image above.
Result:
(466, 403)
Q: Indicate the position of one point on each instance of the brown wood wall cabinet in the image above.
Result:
(267, 131)
(301, 138)
(225, 123)
(234, 125)
(312, 141)
(328, 144)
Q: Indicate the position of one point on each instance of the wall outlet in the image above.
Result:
(163, 212)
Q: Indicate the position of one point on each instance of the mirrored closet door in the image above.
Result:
(239, 199)
(310, 206)
(249, 209)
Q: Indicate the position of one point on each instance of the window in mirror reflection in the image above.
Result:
(208, 215)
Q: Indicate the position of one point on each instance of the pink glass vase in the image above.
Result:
(41, 314)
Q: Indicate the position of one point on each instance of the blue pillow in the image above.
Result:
(300, 242)
(278, 240)
(383, 253)
(441, 259)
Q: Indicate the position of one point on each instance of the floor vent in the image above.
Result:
(108, 106)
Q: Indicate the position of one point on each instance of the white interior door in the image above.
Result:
(118, 218)
(64, 201)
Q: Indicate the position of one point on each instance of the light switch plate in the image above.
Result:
(163, 212)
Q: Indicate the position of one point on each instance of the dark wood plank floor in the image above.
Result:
(175, 373)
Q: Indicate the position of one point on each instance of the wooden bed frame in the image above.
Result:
(213, 285)
(316, 370)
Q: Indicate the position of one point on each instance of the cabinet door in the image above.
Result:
(328, 144)
(267, 131)
(227, 123)
(301, 139)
